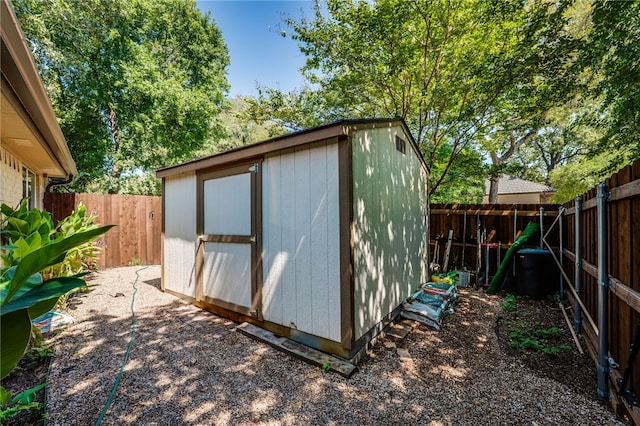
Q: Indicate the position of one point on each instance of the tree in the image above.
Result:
(569, 136)
(445, 67)
(136, 84)
(613, 49)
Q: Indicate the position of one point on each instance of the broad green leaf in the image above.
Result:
(48, 255)
(6, 210)
(51, 289)
(27, 396)
(21, 225)
(5, 396)
(15, 331)
(33, 281)
(43, 307)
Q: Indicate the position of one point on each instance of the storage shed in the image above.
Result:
(317, 236)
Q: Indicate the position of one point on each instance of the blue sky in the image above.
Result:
(258, 52)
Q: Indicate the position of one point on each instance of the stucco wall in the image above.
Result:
(389, 225)
(180, 234)
(301, 264)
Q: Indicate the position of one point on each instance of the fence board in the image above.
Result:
(136, 237)
(623, 264)
(499, 222)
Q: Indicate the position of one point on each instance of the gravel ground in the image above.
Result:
(187, 366)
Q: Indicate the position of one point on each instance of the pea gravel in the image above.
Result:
(189, 367)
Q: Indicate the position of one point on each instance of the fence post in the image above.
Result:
(603, 295)
(541, 226)
(577, 278)
(561, 238)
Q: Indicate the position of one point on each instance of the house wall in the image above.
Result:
(11, 181)
(301, 258)
(180, 239)
(11, 178)
(389, 225)
(524, 198)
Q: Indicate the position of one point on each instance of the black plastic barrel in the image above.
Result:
(537, 274)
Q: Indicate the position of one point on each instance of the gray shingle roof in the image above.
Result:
(513, 185)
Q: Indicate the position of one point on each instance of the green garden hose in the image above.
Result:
(126, 355)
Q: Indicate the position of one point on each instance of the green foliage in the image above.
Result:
(525, 336)
(24, 294)
(509, 303)
(461, 74)
(577, 178)
(26, 229)
(547, 333)
(239, 128)
(464, 181)
(82, 257)
(11, 405)
(135, 84)
(613, 48)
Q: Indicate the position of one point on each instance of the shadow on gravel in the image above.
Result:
(188, 366)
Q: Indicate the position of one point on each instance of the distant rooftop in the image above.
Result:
(513, 185)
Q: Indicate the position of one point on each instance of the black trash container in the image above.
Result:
(537, 274)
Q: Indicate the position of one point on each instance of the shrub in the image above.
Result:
(31, 246)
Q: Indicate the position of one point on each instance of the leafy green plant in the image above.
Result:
(547, 333)
(509, 303)
(11, 405)
(39, 351)
(31, 247)
(524, 336)
(82, 257)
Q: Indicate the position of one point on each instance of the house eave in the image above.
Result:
(22, 86)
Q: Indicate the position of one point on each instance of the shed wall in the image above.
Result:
(301, 258)
(180, 234)
(389, 225)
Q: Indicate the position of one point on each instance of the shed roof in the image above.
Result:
(341, 128)
(513, 185)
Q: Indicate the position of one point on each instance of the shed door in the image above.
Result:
(228, 239)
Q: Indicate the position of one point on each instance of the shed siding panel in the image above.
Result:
(333, 243)
(288, 248)
(303, 239)
(390, 228)
(273, 262)
(318, 244)
(301, 252)
(180, 234)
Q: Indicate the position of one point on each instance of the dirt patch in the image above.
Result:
(535, 333)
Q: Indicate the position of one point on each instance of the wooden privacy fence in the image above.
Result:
(611, 285)
(135, 239)
(486, 229)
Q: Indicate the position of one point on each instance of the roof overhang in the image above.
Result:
(338, 129)
(28, 127)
